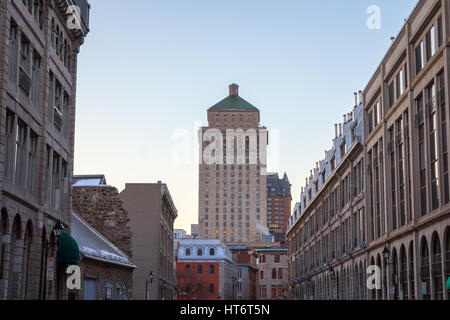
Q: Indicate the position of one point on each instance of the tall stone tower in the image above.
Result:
(232, 172)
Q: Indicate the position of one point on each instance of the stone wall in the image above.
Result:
(101, 207)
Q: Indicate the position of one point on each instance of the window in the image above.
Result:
(431, 43)
(439, 31)
(187, 268)
(199, 252)
(21, 131)
(274, 273)
(35, 78)
(419, 57)
(188, 252)
(199, 269)
(211, 269)
(277, 258)
(12, 51)
(32, 162)
(211, 288)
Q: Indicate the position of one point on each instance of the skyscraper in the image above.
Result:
(232, 180)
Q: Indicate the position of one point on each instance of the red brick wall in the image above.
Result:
(192, 278)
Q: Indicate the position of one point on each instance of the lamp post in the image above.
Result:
(151, 276)
(332, 277)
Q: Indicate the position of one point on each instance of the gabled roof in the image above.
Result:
(233, 102)
(95, 246)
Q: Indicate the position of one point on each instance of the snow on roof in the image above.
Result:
(95, 246)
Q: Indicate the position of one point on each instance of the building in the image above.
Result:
(194, 231)
(273, 273)
(404, 229)
(106, 272)
(326, 230)
(99, 204)
(152, 214)
(205, 270)
(278, 205)
(232, 181)
(38, 72)
(246, 272)
(179, 234)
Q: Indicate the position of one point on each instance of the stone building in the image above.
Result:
(404, 229)
(246, 272)
(205, 270)
(232, 181)
(38, 72)
(100, 205)
(106, 271)
(278, 205)
(152, 214)
(272, 273)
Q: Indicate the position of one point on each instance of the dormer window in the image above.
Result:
(199, 252)
(188, 252)
(212, 252)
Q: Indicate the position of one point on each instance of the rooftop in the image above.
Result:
(233, 101)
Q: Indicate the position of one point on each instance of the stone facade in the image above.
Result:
(38, 73)
(402, 209)
(103, 209)
(232, 188)
(272, 273)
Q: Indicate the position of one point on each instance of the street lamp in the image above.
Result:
(386, 254)
(58, 229)
(151, 276)
(332, 274)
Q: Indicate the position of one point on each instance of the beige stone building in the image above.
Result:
(232, 183)
(405, 225)
(272, 264)
(38, 72)
(152, 214)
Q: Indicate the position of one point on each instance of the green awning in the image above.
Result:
(448, 283)
(68, 250)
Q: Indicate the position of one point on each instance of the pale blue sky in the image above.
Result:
(149, 67)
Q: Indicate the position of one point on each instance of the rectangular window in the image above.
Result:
(12, 64)
(440, 31)
(431, 43)
(32, 162)
(21, 132)
(35, 78)
(419, 57)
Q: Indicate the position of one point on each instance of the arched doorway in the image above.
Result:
(403, 274)
(447, 259)
(26, 259)
(380, 291)
(13, 277)
(394, 276)
(438, 291)
(425, 270)
(3, 232)
(412, 277)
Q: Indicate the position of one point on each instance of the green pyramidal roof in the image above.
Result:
(233, 101)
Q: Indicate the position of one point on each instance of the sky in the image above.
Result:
(149, 70)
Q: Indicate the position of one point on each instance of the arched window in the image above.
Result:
(211, 269)
(187, 268)
(212, 252)
(199, 252)
(199, 269)
(425, 269)
(188, 252)
(211, 288)
(274, 273)
(437, 268)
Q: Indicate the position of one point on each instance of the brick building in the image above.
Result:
(232, 183)
(272, 273)
(106, 271)
(38, 72)
(152, 213)
(399, 218)
(278, 205)
(205, 271)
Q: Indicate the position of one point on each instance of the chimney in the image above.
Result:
(340, 129)
(303, 190)
(350, 116)
(306, 181)
(345, 118)
(356, 99)
(317, 166)
(336, 133)
(234, 89)
(310, 174)
(360, 97)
